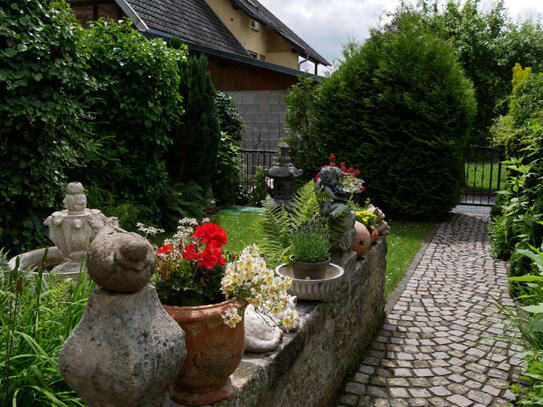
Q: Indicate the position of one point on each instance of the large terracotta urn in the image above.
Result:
(363, 239)
(214, 351)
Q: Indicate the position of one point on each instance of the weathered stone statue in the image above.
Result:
(72, 228)
(284, 176)
(334, 197)
(126, 349)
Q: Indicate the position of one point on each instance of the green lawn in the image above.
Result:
(479, 175)
(240, 227)
(404, 242)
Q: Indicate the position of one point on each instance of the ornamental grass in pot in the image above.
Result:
(310, 250)
(206, 291)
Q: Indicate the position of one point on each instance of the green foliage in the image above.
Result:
(399, 108)
(226, 183)
(488, 44)
(193, 155)
(521, 203)
(135, 107)
(311, 241)
(278, 223)
(42, 84)
(229, 118)
(37, 314)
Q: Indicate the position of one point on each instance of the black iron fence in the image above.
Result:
(251, 160)
(483, 175)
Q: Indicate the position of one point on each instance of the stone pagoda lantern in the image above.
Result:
(284, 177)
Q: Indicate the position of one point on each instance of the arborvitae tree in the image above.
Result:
(193, 154)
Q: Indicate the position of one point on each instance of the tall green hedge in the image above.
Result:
(43, 83)
(134, 109)
(399, 108)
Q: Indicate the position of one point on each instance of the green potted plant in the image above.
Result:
(366, 231)
(206, 292)
(310, 250)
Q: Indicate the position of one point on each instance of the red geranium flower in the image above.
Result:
(332, 157)
(210, 234)
(190, 253)
(167, 248)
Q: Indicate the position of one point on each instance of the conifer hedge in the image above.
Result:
(399, 108)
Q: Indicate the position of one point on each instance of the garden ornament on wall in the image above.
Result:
(126, 350)
(284, 176)
(71, 230)
(334, 197)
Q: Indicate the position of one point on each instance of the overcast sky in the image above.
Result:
(327, 24)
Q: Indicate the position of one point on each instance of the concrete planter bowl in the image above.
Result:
(314, 290)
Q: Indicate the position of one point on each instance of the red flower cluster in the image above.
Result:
(166, 248)
(211, 237)
(350, 171)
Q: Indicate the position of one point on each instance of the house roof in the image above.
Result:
(192, 20)
(257, 11)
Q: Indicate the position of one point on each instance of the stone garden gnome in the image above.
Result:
(126, 349)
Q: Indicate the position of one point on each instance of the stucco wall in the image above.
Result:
(264, 114)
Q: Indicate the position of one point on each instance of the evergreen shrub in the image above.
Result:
(399, 108)
(193, 155)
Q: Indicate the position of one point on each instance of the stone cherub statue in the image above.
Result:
(334, 196)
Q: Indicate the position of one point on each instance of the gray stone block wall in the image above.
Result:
(264, 114)
(309, 366)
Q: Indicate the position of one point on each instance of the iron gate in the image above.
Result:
(483, 175)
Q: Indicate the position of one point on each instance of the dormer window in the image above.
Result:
(255, 25)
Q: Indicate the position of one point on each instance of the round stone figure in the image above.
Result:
(335, 197)
(120, 261)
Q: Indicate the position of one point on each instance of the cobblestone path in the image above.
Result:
(440, 345)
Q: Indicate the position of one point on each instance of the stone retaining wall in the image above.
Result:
(308, 367)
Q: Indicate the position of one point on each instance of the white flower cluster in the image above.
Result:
(351, 183)
(231, 317)
(250, 280)
(148, 230)
(185, 229)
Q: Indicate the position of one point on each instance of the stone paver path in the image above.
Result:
(440, 345)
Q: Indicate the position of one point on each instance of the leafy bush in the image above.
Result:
(37, 314)
(193, 155)
(42, 84)
(226, 183)
(399, 108)
(521, 203)
(229, 118)
(135, 107)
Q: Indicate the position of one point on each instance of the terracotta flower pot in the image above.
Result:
(311, 271)
(363, 239)
(374, 236)
(214, 351)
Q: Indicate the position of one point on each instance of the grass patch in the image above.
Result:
(483, 175)
(241, 229)
(404, 241)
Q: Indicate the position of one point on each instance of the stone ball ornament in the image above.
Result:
(118, 260)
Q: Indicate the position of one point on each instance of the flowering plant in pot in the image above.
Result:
(206, 291)
(310, 249)
(349, 178)
(366, 231)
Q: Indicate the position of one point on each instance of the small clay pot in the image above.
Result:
(309, 271)
(214, 351)
(363, 239)
(374, 236)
